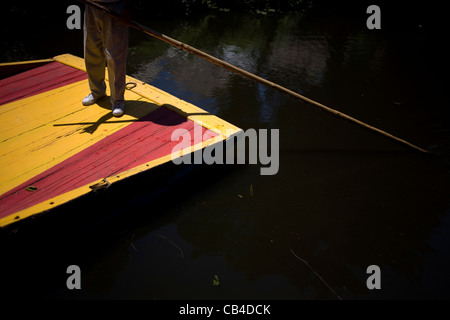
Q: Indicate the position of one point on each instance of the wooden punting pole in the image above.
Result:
(247, 74)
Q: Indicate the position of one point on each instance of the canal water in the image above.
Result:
(344, 198)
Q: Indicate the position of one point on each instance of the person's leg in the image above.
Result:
(116, 50)
(94, 51)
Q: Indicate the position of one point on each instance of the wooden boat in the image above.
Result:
(53, 149)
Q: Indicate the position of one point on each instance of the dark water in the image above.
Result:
(343, 199)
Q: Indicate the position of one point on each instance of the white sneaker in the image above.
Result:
(117, 109)
(90, 99)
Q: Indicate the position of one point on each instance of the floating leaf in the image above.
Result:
(216, 280)
(251, 190)
(31, 188)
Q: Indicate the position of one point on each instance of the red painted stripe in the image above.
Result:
(140, 142)
(44, 78)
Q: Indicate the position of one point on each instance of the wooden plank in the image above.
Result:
(51, 141)
(47, 77)
(160, 97)
(8, 69)
(50, 127)
(141, 142)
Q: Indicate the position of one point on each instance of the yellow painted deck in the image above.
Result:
(43, 134)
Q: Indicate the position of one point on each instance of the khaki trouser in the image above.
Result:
(105, 44)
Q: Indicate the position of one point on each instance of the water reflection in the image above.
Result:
(340, 210)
